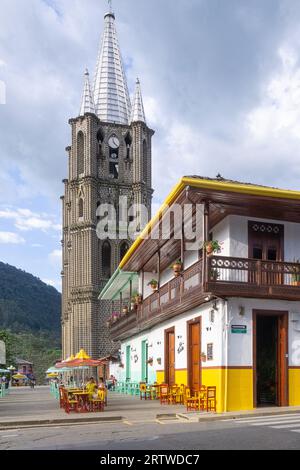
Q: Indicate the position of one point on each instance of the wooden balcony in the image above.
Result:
(223, 277)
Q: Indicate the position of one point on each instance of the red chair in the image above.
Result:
(211, 398)
(69, 403)
(164, 393)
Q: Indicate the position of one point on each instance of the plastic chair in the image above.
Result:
(97, 404)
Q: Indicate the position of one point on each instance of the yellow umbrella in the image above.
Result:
(52, 374)
(71, 358)
(82, 355)
(19, 376)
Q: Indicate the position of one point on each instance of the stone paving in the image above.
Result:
(24, 406)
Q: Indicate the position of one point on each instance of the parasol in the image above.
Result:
(19, 376)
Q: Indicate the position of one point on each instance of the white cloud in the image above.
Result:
(11, 238)
(278, 116)
(55, 258)
(53, 283)
(25, 220)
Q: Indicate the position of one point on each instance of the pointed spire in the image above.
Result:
(87, 102)
(111, 95)
(137, 112)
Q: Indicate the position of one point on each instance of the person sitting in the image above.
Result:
(91, 387)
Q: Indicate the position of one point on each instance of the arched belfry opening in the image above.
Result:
(80, 153)
(100, 139)
(106, 259)
(124, 247)
(128, 143)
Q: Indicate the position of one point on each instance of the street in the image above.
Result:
(264, 432)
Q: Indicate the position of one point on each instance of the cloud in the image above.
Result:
(53, 283)
(25, 220)
(55, 258)
(11, 238)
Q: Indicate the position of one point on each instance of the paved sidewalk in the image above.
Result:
(24, 406)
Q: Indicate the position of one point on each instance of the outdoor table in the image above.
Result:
(83, 400)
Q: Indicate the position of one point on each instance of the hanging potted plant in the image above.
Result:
(153, 284)
(203, 357)
(177, 267)
(150, 361)
(212, 246)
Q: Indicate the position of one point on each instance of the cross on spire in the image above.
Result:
(110, 5)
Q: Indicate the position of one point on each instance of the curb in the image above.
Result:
(224, 417)
(46, 422)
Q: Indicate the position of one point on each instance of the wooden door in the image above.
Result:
(266, 244)
(194, 352)
(128, 363)
(282, 362)
(281, 339)
(170, 356)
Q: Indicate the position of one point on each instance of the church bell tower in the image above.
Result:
(109, 158)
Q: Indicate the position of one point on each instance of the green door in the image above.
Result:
(145, 361)
(128, 368)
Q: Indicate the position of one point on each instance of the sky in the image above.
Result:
(221, 88)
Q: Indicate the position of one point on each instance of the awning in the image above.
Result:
(120, 282)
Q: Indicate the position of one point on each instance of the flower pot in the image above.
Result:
(125, 310)
(177, 269)
(209, 249)
(154, 287)
(138, 299)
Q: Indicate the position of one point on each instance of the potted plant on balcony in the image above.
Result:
(137, 298)
(296, 274)
(212, 246)
(125, 309)
(150, 361)
(153, 284)
(177, 267)
(114, 317)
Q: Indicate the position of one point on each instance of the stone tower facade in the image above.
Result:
(109, 158)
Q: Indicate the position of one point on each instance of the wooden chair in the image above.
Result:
(202, 395)
(164, 393)
(186, 395)
(145, 392)
(97, 404)
(61, 397)
(211, 398)
(69, 403)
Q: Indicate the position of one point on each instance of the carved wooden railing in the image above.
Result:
(172, 292)
(254, 272)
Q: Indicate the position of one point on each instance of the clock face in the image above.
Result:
(114, 142)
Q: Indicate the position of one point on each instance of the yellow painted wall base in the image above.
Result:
(294, 387)
(239, 386)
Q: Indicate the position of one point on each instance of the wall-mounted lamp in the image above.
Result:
(241, 311)
(179, 336)
(158, 342)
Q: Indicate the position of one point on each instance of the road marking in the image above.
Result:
(287, 421)
(267, 419)
(286, 426)
(10, 435)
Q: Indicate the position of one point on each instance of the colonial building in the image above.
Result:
(109, 158)
(229, 314)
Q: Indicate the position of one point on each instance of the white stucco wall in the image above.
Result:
(229, 349)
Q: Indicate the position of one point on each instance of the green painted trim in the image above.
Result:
(133, 275)
(109, 283)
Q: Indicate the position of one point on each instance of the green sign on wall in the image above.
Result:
(239, 329)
